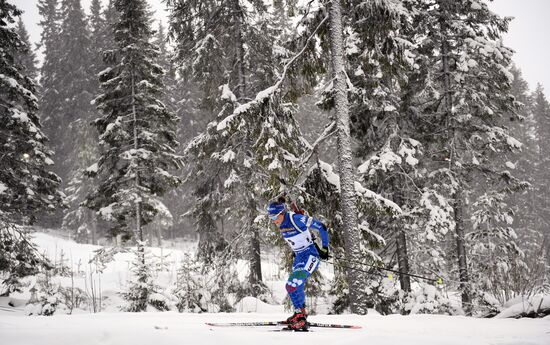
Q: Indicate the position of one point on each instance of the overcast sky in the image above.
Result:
(529, 33)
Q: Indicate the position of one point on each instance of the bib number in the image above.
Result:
(299, 241)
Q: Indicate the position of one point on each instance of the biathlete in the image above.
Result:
(295, 229)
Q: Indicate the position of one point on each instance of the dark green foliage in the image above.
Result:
(227, 50)
(78, 144)
(137, 133)
(27, 186)
(27, 58)
(142, 291)
(19, 258)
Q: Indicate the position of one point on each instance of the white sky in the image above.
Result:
(528, 35)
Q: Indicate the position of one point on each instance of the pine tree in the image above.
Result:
(98, 31)
(469, 77)
(77, 143)
(381, 69)
(26, 184)
(50, 86)
(541, 113)
(26, 59)
(244, 149)
(49, 71)
(371, 52)
(523, 126)
(137, 133)
(526, 205)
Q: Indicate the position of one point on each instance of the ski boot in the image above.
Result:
(298, 321)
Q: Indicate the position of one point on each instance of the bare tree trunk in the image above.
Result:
(241, 87)
(352, 235)
(403, 260)
(139, 228)
(461, 251)
(158, 232)
(94, 227)
(400, 237)
(402, 252)
(255, 277)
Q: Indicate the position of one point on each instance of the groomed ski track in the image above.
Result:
(172, 328)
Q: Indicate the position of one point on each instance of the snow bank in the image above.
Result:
(254, 305)
(538, 304)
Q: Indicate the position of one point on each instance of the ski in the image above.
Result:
(286, 329)
(247, 324)
(279, 323)
(331, 325)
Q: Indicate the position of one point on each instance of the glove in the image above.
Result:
(323, 252)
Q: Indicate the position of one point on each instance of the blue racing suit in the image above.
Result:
(296, 232)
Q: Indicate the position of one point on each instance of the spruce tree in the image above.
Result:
(77, 143)
(136, 133)
(380, 68)
(27, 186)
(370, 52)
(26, 59)
(541, 113)
(528, 221)
(470, 80)
(50, 69)
(247, 145)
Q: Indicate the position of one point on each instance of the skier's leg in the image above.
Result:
(304, 265)
(295, 287)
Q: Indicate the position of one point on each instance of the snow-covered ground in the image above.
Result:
(118, 328)
(178, 329)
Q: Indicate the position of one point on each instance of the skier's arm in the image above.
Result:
(315, 224)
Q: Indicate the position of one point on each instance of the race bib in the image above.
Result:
(299, 241)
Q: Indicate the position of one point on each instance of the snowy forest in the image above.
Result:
(403, 125)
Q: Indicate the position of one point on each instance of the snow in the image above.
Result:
(106, 212)
(14, 84)
(92, 168)
(330, 175)
(114, 327)
(227, 94)
(145, 84)
(264, 94)
(9, 80)
(174, 328)
(274, 165)
(225, 122)
(526, 306)
(232, 179)
(21, 116)
(3, 188)
(270, 144)
(513, 142)
(228, 156)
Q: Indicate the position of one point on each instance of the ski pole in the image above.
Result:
(439, 280)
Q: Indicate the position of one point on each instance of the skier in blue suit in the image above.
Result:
(295, 229)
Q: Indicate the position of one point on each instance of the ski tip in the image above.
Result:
(356, 327)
